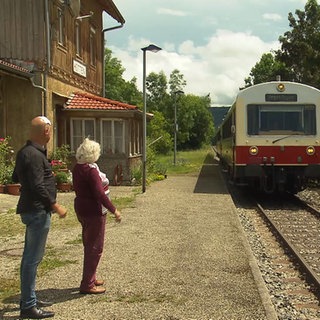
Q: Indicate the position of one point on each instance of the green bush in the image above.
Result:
(63, 177)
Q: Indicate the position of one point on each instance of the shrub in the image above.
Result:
(63, 177)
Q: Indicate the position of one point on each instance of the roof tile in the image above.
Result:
(81, 101)
(14, 66)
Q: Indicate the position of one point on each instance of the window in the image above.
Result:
(81, 129)
(112, 136)
(78, 38)
(61, 28)
(281, 119)
(92, 46)
(135, 142)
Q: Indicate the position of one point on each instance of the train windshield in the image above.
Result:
(281, 119)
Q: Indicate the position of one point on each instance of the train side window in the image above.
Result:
(310, 120)
(253, 119)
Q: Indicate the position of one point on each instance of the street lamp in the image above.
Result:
(152, 48)
(175, 125)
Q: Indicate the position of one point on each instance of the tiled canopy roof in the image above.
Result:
(85, 101)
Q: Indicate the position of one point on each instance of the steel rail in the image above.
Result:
(303, 263)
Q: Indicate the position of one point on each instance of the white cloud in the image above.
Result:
(272, 16)
(219, 67)
(172, 12)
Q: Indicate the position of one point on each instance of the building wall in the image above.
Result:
(64, 57)
(22, 30)
(20, 103)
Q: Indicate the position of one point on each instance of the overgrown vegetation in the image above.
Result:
(159, 166)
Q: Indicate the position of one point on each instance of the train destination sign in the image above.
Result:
(279, 97)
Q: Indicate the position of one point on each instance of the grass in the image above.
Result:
(8, 288)
(52, 260)
(187, 162)
(10, 224)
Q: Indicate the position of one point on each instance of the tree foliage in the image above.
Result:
(115, 85)
(158, 135)
(298, 59)
(267, 69)
(300, 47)
(194, 120)
(176, 81)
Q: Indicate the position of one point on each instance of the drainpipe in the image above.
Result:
(37, 86)
(48, 49)
(103, 58)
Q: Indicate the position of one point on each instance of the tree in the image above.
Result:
(265, 70)
(300, 47)
(176, 81)
(156, 85)
(114, 81)
(195, 122)
(116, 87)
(159, 137)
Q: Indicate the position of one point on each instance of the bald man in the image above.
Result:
(36, 203)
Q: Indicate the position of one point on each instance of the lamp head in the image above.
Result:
(152, 48)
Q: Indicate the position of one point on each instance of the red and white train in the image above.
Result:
(270, 137)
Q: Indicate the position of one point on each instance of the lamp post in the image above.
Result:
(152, 48)
(175, 125)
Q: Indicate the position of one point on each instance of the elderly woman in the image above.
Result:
(90, 197)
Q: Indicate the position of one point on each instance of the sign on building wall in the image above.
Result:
(79, 68)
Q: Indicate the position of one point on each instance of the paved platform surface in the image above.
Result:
(179, 254)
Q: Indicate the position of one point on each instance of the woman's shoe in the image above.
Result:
(94, 290)
(99, 283)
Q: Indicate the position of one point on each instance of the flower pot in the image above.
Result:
(2, 188)
(64, 187)
(13, 189)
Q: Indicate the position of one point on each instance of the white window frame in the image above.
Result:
(135, 142)
(83, 134)
(113, 144)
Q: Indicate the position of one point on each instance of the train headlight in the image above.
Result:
(281, 87)
(253, 150)
(310, 151)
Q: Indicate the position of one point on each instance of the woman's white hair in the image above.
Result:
(88, 151)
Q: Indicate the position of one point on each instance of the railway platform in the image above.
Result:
(179, 254)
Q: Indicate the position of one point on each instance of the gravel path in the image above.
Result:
(179, 253)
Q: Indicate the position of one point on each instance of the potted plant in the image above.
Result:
(6, 167)
(61, 158)
(63, 180)
(4, 155)
(12, 187)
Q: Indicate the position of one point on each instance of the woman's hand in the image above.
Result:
(117, 215)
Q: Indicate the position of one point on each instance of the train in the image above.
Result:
(270, 137)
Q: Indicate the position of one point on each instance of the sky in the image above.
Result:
(213, 43)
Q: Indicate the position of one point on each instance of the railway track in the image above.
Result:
(293, 292)
(298, 226)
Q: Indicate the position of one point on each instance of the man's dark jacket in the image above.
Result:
(33, 171)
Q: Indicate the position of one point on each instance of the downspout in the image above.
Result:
(37, 86)
(103, 57)
(48, 49)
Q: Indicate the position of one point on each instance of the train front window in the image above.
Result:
(281, 119)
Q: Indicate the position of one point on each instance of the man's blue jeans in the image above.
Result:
(37, 228)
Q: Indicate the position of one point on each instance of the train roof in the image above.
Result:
(277, 83)
(263, 86)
